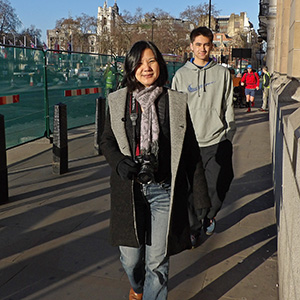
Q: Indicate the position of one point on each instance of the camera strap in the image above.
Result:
(133, 111)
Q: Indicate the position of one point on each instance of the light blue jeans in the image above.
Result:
(147, 267)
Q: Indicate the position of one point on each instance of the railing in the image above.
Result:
(32, 81)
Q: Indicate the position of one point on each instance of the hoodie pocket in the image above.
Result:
(207, 125)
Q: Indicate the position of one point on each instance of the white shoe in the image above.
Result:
(211, 228)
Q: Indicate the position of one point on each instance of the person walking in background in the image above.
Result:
(210, 101)
(238, 91)
(266, 88)
(150, 144)
(251, 82)
(109, 79)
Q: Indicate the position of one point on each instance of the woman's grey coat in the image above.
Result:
(115, 145)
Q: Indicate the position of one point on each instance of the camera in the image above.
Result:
(148, 167)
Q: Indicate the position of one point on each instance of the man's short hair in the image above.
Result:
(265, 68)
(201, 31)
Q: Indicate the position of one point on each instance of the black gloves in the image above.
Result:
(127, 168)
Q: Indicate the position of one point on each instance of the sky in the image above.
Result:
(44, 14)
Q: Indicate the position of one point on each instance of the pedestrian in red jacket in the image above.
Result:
(251, 82)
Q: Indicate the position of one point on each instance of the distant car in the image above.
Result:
(85, 73)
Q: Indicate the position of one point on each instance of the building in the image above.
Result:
(231, 25)
(222, 47)
(267, 24)
(114, 35)
(107, 18)
(280, 29)
(60, 39)
(233, 31)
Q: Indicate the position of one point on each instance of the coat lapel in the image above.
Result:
(177, 127)
(117, 106)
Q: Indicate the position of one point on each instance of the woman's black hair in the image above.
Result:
(133, 59)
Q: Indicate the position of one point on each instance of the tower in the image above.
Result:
(107, 18)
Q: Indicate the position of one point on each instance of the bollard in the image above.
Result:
(3, 164)
(99, 123)
(60, 140)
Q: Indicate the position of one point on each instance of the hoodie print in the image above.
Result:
(194, 89)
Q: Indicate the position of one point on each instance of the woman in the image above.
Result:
(149, 143)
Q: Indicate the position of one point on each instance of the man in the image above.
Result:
(210, 101)
(251, 82)
(266, 88)
(109, 79)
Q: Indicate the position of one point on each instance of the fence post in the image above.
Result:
(3, 164)
(46, 98)
(60, 140)
(99, 123)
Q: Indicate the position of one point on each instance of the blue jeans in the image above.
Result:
(147, 267)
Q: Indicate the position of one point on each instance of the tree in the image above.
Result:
(75, 32)
(9, 21)
(169, 34)
(87, 23)
(33, 35)
(159, 14)
(194, 13)
(131, 19)
(122, 35)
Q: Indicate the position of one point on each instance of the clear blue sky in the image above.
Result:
(44, 13)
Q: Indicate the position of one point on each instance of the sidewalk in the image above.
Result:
(53, 232)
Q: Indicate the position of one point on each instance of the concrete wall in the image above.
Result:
(284, 105)
(285, 145)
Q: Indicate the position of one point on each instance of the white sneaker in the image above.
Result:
(211, 228)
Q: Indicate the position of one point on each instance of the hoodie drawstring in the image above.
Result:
(198, 82)
(202, 84)
(204, 80)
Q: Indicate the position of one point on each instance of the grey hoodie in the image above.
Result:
(210, 101)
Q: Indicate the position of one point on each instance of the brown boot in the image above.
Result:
(134, 296)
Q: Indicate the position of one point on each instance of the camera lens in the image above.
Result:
(146, 174)
(148, 165)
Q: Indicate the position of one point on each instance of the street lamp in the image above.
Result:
(152, 21)
(209, 13)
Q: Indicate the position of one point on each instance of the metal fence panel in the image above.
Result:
(32, 81)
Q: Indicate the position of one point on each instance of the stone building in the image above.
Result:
(222, 47)
(60, 39)
(231, 25)
(107, 18)
(233, 31)
(267, 24)
(280, 28)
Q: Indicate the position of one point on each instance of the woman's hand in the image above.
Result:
(127, 168)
